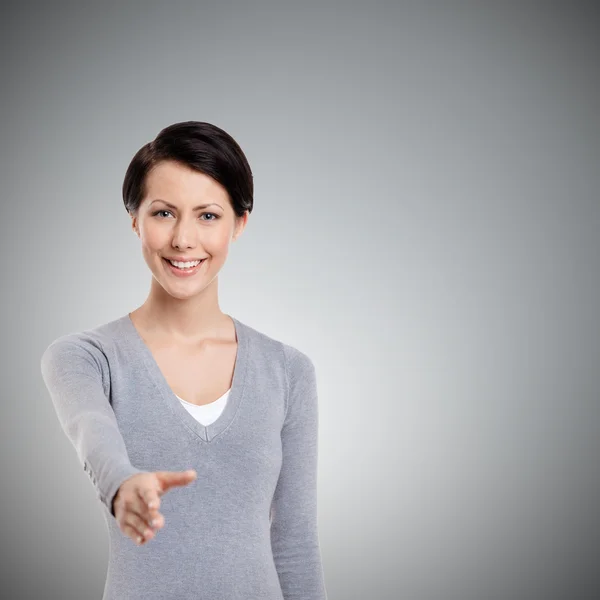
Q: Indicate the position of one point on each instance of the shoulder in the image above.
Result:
(293, 359)
(89, 346)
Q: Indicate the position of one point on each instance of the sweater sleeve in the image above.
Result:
(294, 531)
(73, 373)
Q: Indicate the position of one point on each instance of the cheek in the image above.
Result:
(217, 244)
(152, 239)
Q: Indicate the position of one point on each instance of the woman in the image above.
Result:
(178, 396)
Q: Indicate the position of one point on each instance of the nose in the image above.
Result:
(184, 234)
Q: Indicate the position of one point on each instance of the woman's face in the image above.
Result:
(169, 225)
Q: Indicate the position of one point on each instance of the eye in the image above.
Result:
(158, 212)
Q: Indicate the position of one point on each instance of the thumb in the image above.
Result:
(169, 479)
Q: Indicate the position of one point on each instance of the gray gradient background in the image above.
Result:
(426, 228)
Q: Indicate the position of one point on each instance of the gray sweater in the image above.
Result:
(246, 527)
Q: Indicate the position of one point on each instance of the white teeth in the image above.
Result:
(185, 265)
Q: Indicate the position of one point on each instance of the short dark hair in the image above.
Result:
(200, 146)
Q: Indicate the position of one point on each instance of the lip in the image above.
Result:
(180, 273)
(183, 258)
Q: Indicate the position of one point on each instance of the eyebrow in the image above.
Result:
(195, 207)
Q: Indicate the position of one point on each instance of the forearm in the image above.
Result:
(74, 379)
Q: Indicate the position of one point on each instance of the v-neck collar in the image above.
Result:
(206, 433)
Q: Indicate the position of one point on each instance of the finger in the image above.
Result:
(134, 521)
(150, 501)
(170, 479)
(134, 534)
(130, 520)
(152, 517)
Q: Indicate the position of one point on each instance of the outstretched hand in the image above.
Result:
(137, 501)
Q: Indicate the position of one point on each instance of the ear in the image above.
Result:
(134, 224)
(240, 226)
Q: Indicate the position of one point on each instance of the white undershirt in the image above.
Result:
(206, 413)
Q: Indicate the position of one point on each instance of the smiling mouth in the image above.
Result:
(184, 269)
